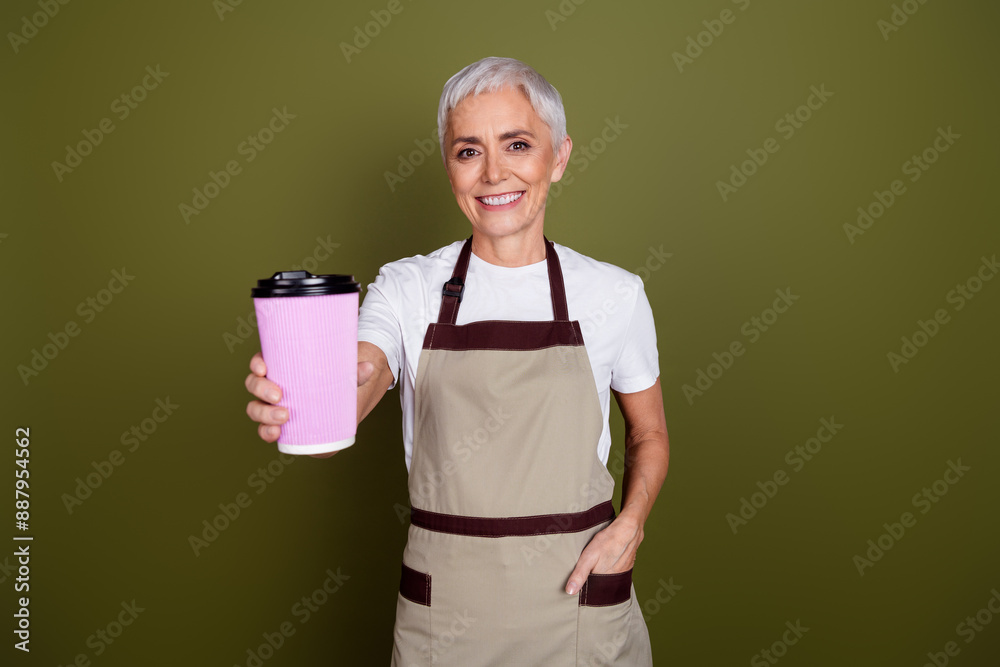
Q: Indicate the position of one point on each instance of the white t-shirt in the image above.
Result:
(609, 302)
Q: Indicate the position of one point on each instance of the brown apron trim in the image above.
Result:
(513, 526)
(604, 590)
(503, 335)
(415, 586)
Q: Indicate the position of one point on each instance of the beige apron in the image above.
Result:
(506, 490)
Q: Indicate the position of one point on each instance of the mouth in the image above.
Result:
(501, 201)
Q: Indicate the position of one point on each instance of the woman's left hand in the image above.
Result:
(610, 551)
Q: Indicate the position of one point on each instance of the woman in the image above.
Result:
(514, 553)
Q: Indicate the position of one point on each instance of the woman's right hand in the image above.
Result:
(270, 417)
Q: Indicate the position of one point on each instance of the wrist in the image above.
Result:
(634, 514)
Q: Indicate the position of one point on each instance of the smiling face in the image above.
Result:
(500, 163)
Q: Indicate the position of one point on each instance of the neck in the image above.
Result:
(527, 247)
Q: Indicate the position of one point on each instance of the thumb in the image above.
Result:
(584, 567)
(365, 371)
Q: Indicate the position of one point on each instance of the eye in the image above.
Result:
(523, 146)
(466, 153)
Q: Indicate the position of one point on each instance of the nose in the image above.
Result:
(495, 168)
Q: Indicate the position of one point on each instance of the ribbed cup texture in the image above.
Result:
(310, 346)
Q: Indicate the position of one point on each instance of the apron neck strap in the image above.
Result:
(453, 290)
(556, 287)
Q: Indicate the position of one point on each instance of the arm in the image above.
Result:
(647, 452)
(647, 448)
(374, 378)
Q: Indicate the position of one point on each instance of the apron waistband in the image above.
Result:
(513, 526)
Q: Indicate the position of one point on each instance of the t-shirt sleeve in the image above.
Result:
(379, 322)
(637, 366)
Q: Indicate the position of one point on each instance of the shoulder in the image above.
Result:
(578, 267)
(422, 267)
(602, 296)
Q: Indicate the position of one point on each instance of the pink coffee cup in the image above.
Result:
(308, 329)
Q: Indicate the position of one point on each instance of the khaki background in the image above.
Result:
(652, 189)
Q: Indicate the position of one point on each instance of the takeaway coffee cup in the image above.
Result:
(308, 329)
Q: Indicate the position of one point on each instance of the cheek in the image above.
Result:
(535, 171)
(462, 178)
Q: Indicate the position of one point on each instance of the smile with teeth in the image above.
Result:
(501, 200)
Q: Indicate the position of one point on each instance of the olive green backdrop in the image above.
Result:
(659, 121)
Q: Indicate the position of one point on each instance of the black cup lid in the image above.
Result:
(303, 283)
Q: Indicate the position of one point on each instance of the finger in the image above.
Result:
(584, 567)
(257, 365)
(268, 433)
(266, 413)
(263, 388)
(365, 371)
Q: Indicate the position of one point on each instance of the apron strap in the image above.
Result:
(454, 289)
(556, 287)
(451, 293)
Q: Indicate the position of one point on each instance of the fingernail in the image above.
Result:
(273, 396)
(281, 414)
(571, 589)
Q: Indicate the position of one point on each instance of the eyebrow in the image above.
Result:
(503, 137)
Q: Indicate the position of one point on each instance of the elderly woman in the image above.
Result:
(515, 555)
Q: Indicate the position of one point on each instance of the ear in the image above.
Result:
(562, 158)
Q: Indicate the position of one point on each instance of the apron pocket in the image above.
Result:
(603, 590)
(415, 586)
(412, 632)
(605, 619)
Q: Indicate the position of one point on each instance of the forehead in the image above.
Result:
(494, 110)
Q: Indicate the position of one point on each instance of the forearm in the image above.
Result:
(646, 460)
(372, 388)
(647, 451)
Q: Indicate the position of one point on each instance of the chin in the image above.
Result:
(501, 228)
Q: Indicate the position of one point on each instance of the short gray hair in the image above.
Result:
(492, 74)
